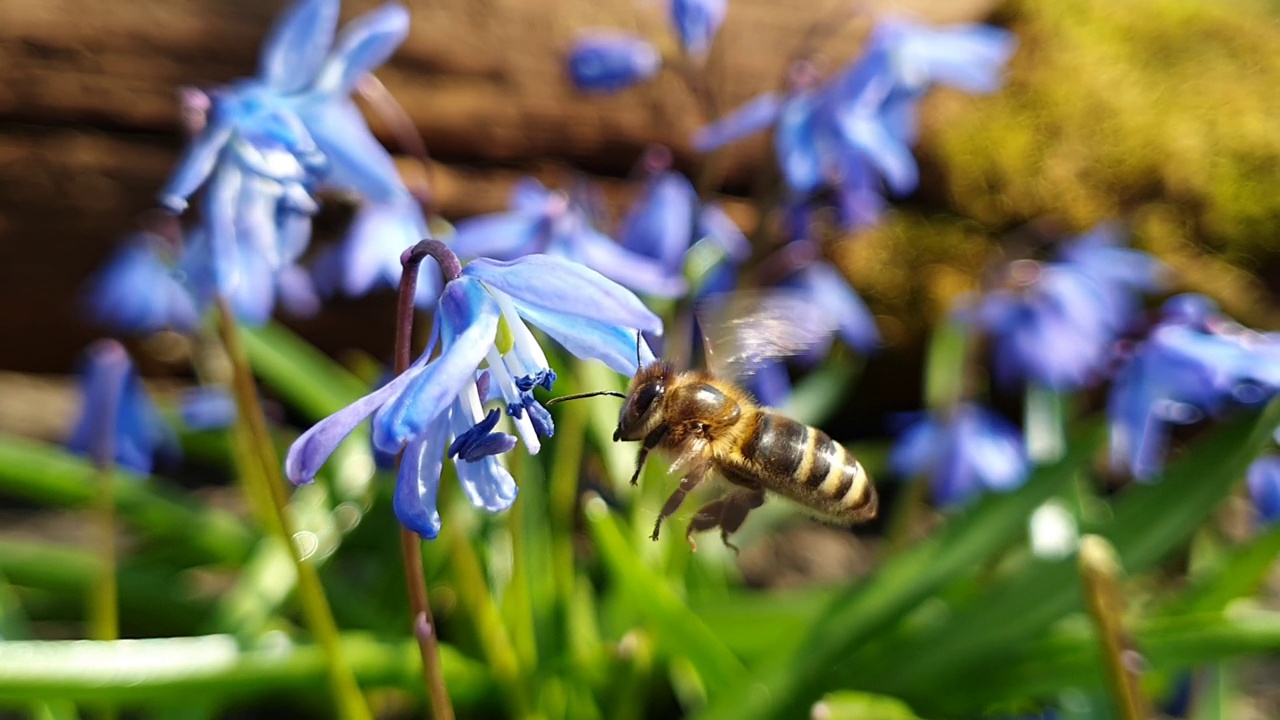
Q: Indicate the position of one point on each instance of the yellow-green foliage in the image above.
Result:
(1164, 112)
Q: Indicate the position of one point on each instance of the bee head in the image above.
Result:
(642, 410)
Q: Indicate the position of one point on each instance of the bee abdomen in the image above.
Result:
(806, 463)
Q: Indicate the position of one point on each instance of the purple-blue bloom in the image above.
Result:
(1183, 372)
(436, 407)
(697, 22)
(270, 141)
(1053, 324)
(543, 221)
(369, 256)
(140, 291)
(117, 416)
(608, 61)
(967, 450)
(660, 224)
(207, 408)
(967, 57)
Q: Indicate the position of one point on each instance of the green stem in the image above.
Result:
(104, 612)
(264, 482)
(1043, 421)
(1100, 572)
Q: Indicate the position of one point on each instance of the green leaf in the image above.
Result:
(1148, 522)
(46, 474)
(305, 377)
(178, 670)
(861, 706)
(679, 632)
(859, 613)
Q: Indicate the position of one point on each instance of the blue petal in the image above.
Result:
(968, 57)
(310, 451)
(487, 484)
(834, 295)
(660, 224)
(196, 164)
(892, 158)
(715, 224)
(565, 287)
(207, 408)
(418, 481)
(614, 345)
(600, 253)
(696, 22)
(796, 144)
(370, 254)
(468, 318)
(357, 160)
(500, 236)
(364, 44)
(610, 61)
(137, 291)
(117, 415)
(297, 44)
(916, 451)
(755, 115)
(1264, 486)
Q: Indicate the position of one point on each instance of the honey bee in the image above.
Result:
(713, 426)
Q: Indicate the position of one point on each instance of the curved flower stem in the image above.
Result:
(410, 543)
(104, 602)
(265, 484)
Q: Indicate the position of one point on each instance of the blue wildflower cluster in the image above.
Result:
(487, 353)
(1053, 324)
(1195, 363)
(263, 147)
(964, 451)
(606, 61)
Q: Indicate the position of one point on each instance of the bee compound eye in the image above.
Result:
(645, 397)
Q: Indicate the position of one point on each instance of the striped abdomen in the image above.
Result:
(806, 465)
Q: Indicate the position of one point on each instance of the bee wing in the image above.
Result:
(746, 330)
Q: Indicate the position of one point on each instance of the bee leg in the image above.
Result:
(727, 514)
(651, 441)
(687, 484)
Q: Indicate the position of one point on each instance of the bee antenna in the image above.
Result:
(638, 350)
(580, 396)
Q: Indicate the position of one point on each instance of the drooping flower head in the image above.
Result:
(141, 291)
(544, 221)
(117, 417)
(605, 61)
(271, 140)
(486, 353)
(1053, 323)
(1195, 363)
(968, 450)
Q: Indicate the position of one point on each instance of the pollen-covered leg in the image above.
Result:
(727, 514)
(687, 484)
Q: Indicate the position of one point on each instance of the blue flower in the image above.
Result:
(140, 291)
(1182, 373)
(660, 224)
(829, 291)
(435, 408)
(273, 139)
(1263, 480)
(854, 132)
(1054, 323)
(607, 61)
(117, 415)
(964, 452)
(207, 408)
(542, 221)
(697, 22)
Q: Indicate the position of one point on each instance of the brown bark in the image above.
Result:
(89, 123)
